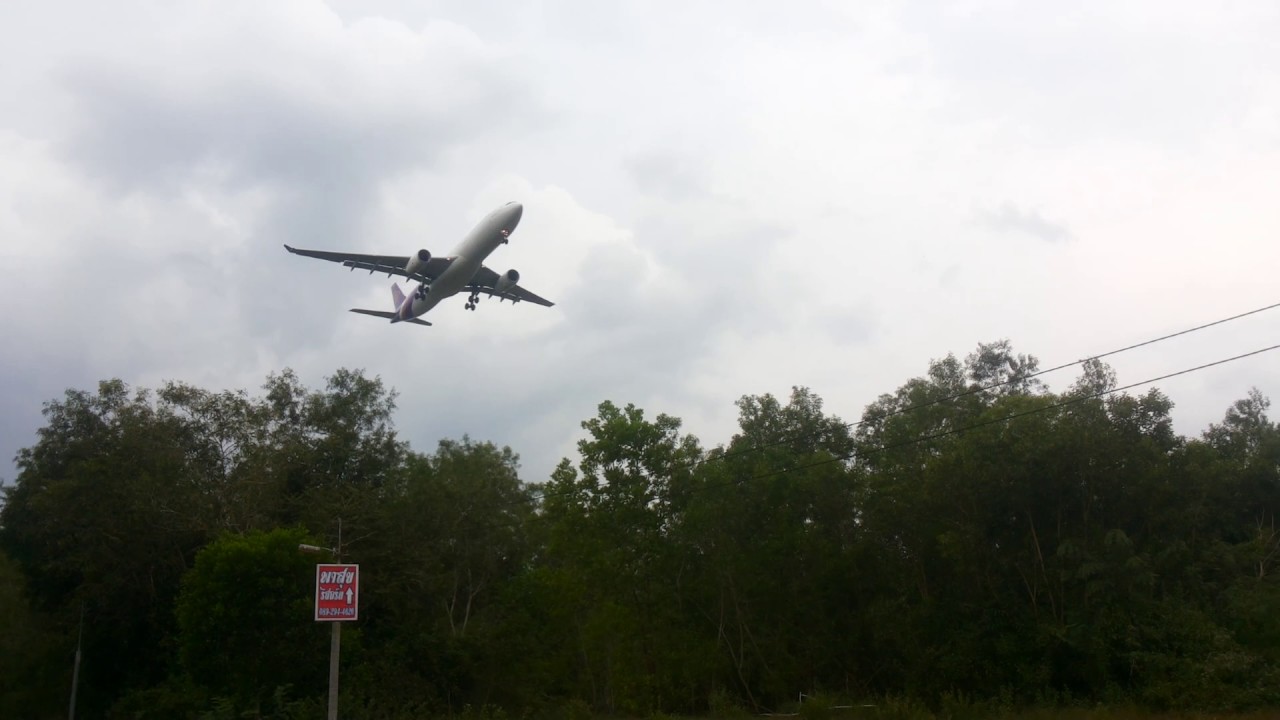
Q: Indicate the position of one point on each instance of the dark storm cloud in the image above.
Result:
(677, 183)
(136, 132)
(321, 147)
(223, 121)
(33, 375)
(324, 153)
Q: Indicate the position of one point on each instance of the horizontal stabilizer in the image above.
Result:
(388, 316)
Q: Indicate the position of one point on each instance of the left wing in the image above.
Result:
(390, 264)
(486, 281)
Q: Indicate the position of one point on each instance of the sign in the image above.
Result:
(337, 592)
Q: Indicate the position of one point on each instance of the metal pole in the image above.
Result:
(335, 647)
(75, 672)
(335, 642)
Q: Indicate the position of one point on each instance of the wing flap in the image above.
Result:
(515, 293)
(485, 281)
(390, 264)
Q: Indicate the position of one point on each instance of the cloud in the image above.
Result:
(1011, 218)
(720, 203)
(666, 175)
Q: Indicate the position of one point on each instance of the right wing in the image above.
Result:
(390, 264)
(486, 281)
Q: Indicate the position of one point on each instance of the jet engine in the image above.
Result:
(506, 280)
(418, 263)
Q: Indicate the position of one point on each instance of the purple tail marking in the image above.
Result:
(397, 295)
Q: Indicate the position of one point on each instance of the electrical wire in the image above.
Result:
(995, 421)
(537, 497)
(984, 388)
(544, 495)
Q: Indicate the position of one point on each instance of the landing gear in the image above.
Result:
(506, 236)
(472, 301)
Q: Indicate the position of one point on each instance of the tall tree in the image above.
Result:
(245, 616)
(608, 545)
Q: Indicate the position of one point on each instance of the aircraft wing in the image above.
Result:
(390, 264)
(486, 281)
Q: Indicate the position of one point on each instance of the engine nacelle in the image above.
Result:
(506, 280)
(418, 263)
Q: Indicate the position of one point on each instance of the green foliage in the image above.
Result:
(245, 617)
(176, 697)
(28, 650)
(720, 704)
(939, 556)
(577, 709)
(279, 706)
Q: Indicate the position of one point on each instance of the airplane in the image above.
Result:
(442, 277)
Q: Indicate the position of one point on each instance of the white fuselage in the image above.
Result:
(470, 254)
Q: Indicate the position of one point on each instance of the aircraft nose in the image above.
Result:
(512, 213)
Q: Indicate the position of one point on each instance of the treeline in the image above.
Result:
(1080, 552)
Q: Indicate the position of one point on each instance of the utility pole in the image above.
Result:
(335, 643)
(335, 636)
(335, 648)
(75, 670)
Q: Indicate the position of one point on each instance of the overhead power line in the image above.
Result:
(983, 388)
(1007, 418)
(1074, 400)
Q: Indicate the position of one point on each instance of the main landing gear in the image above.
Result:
(473, 301)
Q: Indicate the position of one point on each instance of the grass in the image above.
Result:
(904, 709)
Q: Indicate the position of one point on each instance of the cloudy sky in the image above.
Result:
(723, 198)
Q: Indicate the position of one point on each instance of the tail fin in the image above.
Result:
(397, 295)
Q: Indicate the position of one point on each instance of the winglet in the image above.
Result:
(286, 247)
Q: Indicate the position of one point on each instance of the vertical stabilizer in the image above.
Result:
(397, 295)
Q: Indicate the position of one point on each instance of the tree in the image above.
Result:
(101, 518)
(124, 486)
(609, 553)
(443, 542)
(245, 617)
(770, 539)
(29, 656)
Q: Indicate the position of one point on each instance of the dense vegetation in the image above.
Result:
(935, 553)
